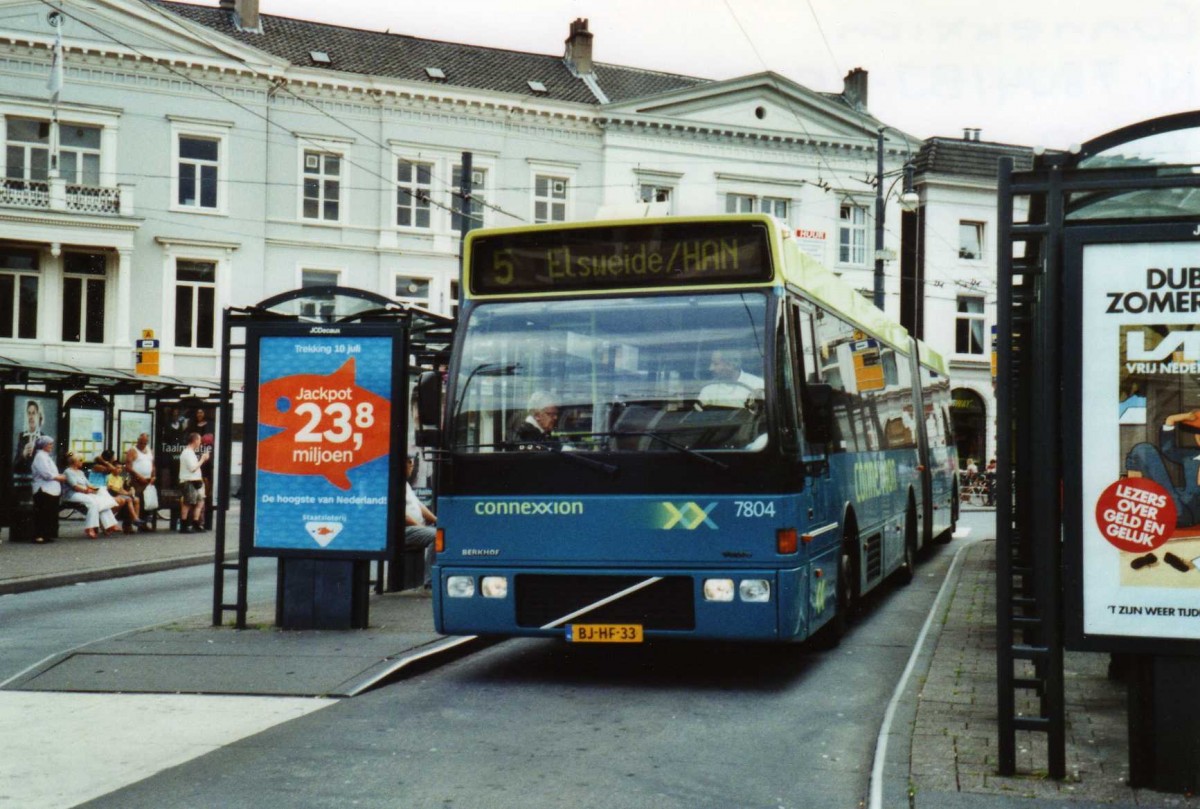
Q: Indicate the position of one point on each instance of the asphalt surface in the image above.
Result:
(940, 744)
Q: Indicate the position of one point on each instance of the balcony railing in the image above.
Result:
(25, 193)
(56, 195)
(93, 199)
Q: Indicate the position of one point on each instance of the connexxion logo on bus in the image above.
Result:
(529, 508)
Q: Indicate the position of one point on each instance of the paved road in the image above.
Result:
(36, 625)
(532, 723)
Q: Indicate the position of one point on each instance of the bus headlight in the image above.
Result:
(756, 590)
(493, 587)
(460, 586)
(718, 589)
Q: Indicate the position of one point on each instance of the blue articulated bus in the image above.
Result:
(677, 427)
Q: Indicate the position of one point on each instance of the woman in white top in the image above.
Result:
(47, 486)
(98, 502)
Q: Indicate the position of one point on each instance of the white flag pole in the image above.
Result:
(54, 84)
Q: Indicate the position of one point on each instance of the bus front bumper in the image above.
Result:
(744, 604)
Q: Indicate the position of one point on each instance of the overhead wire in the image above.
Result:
(389, 183)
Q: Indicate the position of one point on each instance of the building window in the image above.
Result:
(970, 240)
(739, 203)
(18, 293)
(322, 186)
(414, 184)
(549, 199)
(27, 149)
(655, 193)
(453, 299)
(778, 208)
(968, 337)
(318, 307)
(199, 160)
(410, 289)
(478, 198)
(195, 303)
(83, 297)
(852, 235)
(79, 154)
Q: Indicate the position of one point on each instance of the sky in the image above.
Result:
(1032, 72)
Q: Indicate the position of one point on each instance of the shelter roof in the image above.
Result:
(60, 376)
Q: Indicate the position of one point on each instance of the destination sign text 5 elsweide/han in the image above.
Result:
(620, 257)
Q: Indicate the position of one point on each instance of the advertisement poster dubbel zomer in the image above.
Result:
(1140, 440)
(324, 425)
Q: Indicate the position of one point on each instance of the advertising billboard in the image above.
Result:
(323, 453)
(1139, 440)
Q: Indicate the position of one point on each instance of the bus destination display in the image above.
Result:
(619, 257)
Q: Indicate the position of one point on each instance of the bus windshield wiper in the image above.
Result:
(559, 450)
(724, 467)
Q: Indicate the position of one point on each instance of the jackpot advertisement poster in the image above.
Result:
(323, 448)
(1140, 440)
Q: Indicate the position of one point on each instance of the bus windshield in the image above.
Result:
(644, 374)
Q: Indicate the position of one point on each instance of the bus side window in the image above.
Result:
(853, 427)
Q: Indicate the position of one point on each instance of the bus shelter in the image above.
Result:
(1098, 496)
(326, 377)
(86, 409)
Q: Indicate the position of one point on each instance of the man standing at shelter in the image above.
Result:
(139, 461)
(191, 485)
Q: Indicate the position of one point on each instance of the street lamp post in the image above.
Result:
(908, 201)
(879, 221)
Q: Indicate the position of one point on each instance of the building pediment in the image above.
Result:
(764, 101)
(131, 29)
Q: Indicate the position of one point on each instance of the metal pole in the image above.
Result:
(467, 224)
(879, 222)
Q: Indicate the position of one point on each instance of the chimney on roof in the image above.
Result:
(854, 89)
(578, 55)
(244, 14)
(970, 134)
(248, 11)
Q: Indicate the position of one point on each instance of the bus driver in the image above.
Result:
(731, 386)
(537, 430)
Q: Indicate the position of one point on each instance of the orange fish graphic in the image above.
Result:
(330, 425)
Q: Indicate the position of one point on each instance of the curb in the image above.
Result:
(14, 586)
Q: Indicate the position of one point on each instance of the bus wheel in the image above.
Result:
(908, 570)
(830, 635)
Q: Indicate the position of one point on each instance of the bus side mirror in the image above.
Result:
(429, 408)
(818, 413)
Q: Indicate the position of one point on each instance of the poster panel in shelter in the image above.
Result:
(322, 454)
(1140, 440)
(131, 424)
(88, 434)
(33, 415)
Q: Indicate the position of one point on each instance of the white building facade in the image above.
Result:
(200, 157)
(950, 268)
